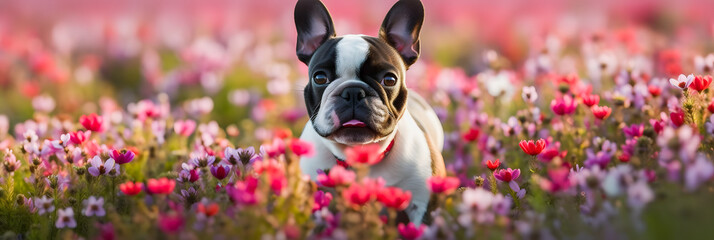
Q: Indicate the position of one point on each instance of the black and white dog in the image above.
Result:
(357, 95)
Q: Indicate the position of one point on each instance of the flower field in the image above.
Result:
(158, 120)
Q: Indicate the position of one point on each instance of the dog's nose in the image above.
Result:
(353, 94)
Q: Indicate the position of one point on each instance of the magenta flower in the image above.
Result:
(507, 175)
(410, 231)
(563, 106)
(322, 199)
(122, 157)
(220, 171)
(100, 168)
(634, 130)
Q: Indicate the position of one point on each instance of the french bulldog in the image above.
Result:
(357, 95)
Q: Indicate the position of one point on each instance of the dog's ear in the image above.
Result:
(314, 26)
(401, 28)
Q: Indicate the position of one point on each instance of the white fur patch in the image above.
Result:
(352, 50)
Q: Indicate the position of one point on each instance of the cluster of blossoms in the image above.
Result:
(610, 137)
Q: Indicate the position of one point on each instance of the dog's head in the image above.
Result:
(357, 93)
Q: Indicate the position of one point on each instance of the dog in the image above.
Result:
(357, 95)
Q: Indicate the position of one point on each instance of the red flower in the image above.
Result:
(410, 231)
(493, 165)
(395, 198)
(677, 118)
(531, 148)
(363, 154)
(283, 133)
(700, 83)
(471, 134)
(711, 106)
(171, 223)
(563, 106)
(357, 195)
(445, 185)
(130, 188)
(322, 199)
(91, 122)
(601, 112)
(590, 99)
(208, 211)
(654, 90)
(79, 137)
(301, 148)
(161, 186)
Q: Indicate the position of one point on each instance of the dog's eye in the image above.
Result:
(320, 78)
(389, 80)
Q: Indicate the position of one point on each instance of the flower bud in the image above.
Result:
(478, 180)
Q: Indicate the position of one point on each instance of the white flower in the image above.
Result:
(44, 205)
(682, 82)
(94, 207)
(529, 94)
(65, 218)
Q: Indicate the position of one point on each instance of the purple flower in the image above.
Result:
(220, 171)
(600, 158)
(122, 157)
(65, 218)
(94, 207)
(202, 161)
(700, 171)
(100, 168)
(44, 205)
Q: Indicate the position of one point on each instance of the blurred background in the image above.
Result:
(234, 61)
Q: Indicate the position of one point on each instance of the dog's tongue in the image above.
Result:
(354, 123)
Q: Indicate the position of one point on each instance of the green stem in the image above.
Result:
(494, 186)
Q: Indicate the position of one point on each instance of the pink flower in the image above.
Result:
(161, 186)
(395, 198)
(91, 122)
(184, 127)
(337, 176)
(220, 171)
(590, 99)
(410, 231)
(274, 149)
(79, 137)
(363, 154)
(601, 112)
(301, 148)
(357, 195)
(442, 185)
(277, 183)
(507, 175)
(563, 106)
(559, 180)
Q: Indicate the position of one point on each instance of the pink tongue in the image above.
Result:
(354, 123)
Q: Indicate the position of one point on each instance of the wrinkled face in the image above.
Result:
(356, 93)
